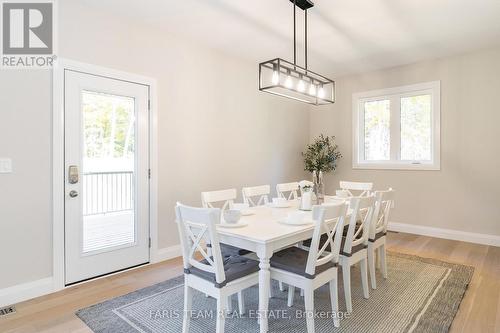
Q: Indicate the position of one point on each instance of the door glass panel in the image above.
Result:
(377, 130)
(108, 171)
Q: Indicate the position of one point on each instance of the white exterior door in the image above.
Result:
(107, 175)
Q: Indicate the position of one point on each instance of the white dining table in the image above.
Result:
(264, 234)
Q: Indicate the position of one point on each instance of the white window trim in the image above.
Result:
(358, 162)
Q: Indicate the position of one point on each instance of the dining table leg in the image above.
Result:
(264, 287)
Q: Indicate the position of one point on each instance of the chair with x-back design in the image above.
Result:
(312, 269)
(215, 275)
(359, 189)
(354, 245)
(225, 197)
(288, 191)
(378, 231)
(256, 195)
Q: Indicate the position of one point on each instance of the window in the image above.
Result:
(397, 128)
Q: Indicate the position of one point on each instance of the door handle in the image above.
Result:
(73, 194)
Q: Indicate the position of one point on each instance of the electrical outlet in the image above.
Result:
(7, 310)
(5, 165)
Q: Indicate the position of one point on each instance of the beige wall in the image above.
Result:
(465, 194)
(25, 202)
(215, 130)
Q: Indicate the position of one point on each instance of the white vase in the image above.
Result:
(306, 199)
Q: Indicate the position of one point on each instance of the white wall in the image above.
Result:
(215, 130)
(465, 194)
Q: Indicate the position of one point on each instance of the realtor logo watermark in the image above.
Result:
(28, 32)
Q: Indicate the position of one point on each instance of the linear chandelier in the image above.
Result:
(283, 78)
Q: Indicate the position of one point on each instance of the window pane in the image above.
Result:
(377, 130)
(416, 128)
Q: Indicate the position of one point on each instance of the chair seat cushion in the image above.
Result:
(228, 250)
(378, 235)
(307, 242)
(354, 249)
(235, 267)
(324, 238)
(294, 260)
(346, 227)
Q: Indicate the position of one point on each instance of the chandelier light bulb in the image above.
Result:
(301, 86)
(312, 89)
(288, 81)
(276, 77)
(321, 92)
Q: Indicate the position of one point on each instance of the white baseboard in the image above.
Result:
(166, 253)
(25, 291)
(464, 236)
(29, 290)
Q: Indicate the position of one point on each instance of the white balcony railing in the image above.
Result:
(107, 192)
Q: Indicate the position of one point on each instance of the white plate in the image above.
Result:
(303, 222)
(233, 225)
(285, 205)
(246, 212)
(334, 197)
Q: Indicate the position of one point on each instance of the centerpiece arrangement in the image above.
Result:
(321, 157)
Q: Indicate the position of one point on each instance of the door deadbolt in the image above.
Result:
(73, 194)
(73, 174)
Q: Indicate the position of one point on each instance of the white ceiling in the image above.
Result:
(345, 36)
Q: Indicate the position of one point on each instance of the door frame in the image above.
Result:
(58, 170)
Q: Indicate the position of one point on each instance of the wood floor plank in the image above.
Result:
(497, 322)
(482, 316)
(479, 311)
(473, 255)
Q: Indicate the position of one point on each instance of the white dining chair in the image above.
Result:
(225, 197)
(215, 275)
(288, 191)
(354, 245)
(256, 195)
(378, 233)
(312, 269)
(360, 189)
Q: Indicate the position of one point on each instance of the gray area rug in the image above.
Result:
(420, 295)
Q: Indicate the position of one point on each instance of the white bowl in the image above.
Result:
(244, 208)
(240, 206)
(232, 216)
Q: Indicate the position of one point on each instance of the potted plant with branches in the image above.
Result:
(320, 157)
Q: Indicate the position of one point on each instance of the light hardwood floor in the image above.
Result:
(479, 311)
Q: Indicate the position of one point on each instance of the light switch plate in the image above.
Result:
(5, 165)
